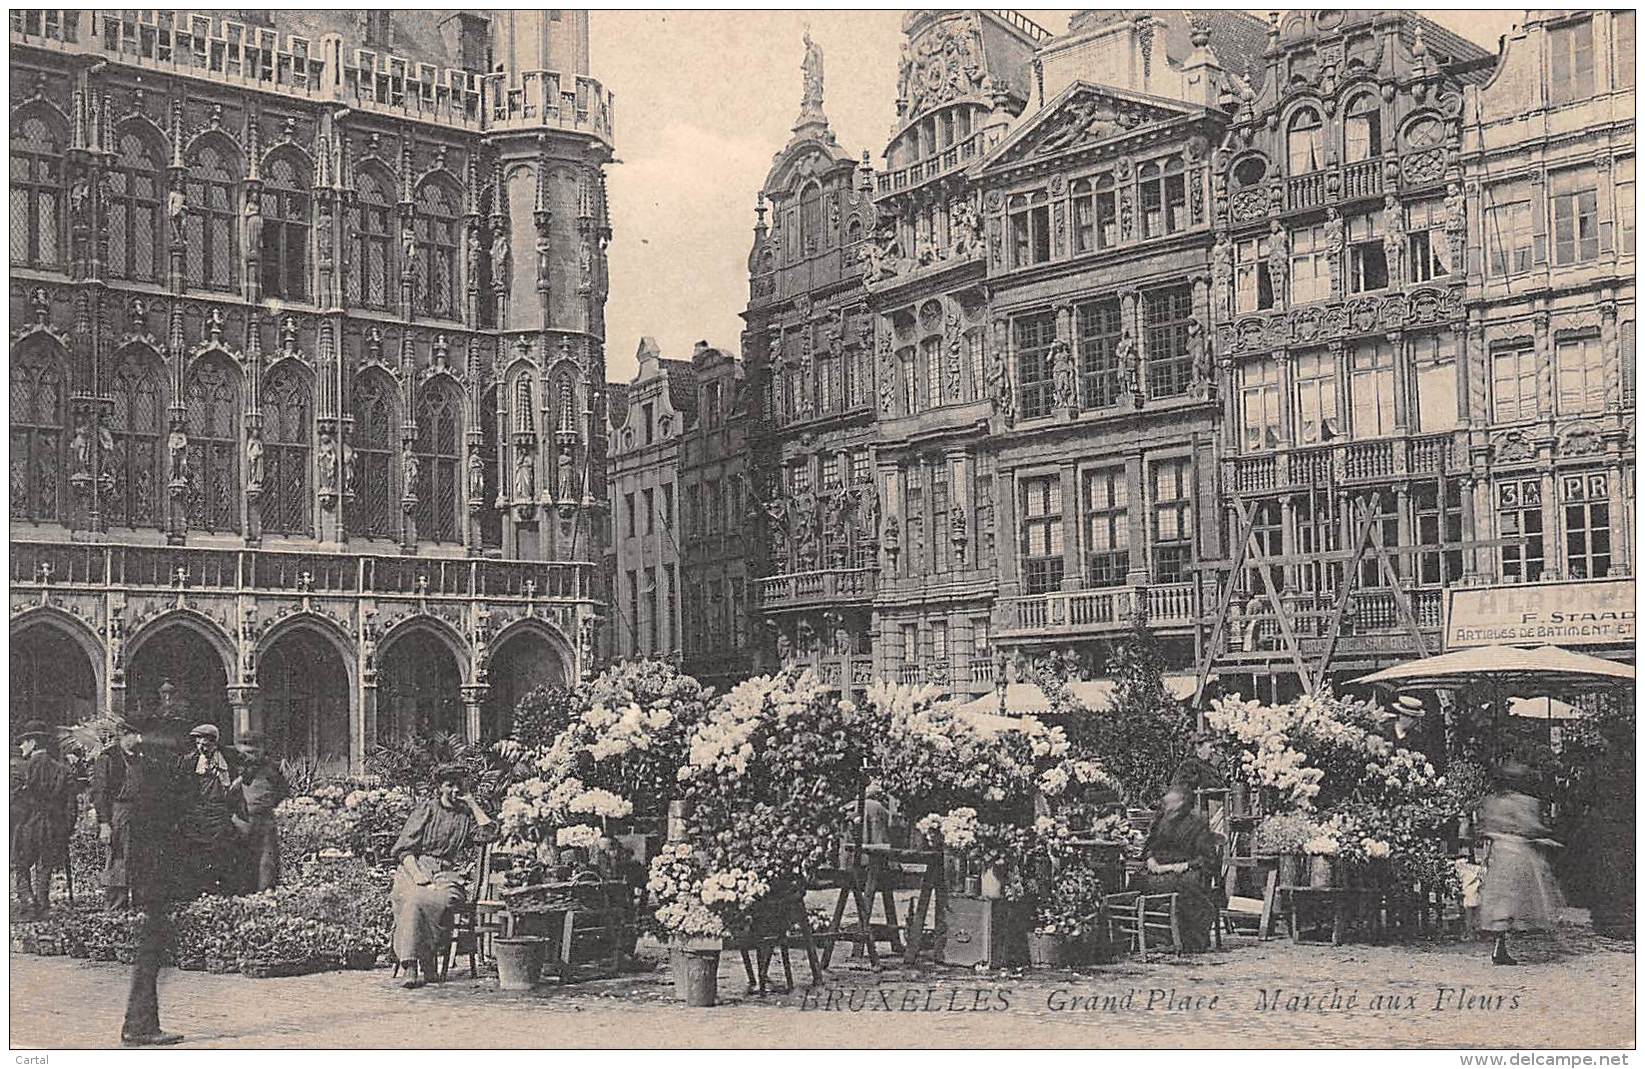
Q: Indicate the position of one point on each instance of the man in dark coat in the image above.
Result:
(208, 843)
(153, 795)
(258, 790)
(45, 797)
(113, 795)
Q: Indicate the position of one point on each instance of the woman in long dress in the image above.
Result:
(438, 838)
(1519, 892)
(1179, 858)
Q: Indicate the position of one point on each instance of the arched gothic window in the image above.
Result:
(137, 230)
(439, 436)
(286, 503)
(372, 221)
(284, 255)
(39, 401)
(437, 211)
(137, 427)
(491, 520)
(211, 403)
(376, 438)
(212, 218)
(36, 193)
(1304, 147)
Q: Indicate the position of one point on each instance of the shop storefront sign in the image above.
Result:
(1592, 612)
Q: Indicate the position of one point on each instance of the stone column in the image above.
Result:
(1136, 520)
(1553, 533)
(1072, 573)
(474, 695)
(1470, 557)
(1622, 547)
(246, 719)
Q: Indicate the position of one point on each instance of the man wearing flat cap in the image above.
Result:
(43, 799)
(259, 788)
(115, 791)
(207, 839)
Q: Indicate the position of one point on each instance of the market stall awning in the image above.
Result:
(1030, 699)
(1516, 668)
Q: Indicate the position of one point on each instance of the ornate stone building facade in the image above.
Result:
(307, 367)
(1410, 364)
(649, 419)
(715, 535)
(808, 349)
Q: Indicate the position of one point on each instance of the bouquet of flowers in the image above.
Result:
(1283, 833)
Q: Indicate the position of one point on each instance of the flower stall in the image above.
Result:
(1355, 826)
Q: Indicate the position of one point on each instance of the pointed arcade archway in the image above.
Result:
(52, 677)
(304, 685)
(178, 672)
(419, 687)
(525, 660)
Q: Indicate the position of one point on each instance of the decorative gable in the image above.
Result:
(1085, 114)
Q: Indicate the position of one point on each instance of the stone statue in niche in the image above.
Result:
(408, 247)
(957, 525)
(176, 206)
(413, 468)
(1333, 230)
(80, 446)
(585, 263)
(254, 221)
(499, 258)
(892, 538)
(1393, 235)
(1222, 274)
(1200, 355)
(868, 511)
(254, 459)
(568, 483)
(1455, 208)
(1279, 260)
(327, 457)
(544, 263)
(348, 469)
(525, 475)
(1062, 374)
(784, 648)
(476, 477)
(964, 228)
(79, 194)
(177, 448)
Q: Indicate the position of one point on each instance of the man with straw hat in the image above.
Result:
(43, 797)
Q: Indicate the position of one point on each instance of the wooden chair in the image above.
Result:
(1250, 915)
(1145, 920)
(465, 924)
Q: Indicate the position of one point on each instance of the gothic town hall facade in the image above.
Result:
(307, 367)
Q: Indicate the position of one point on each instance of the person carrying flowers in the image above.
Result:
(433, 846)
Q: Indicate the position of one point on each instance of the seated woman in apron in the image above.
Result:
(438, 837)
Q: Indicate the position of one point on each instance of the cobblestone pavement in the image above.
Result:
(1576, 990)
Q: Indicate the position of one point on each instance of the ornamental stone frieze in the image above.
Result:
(1314, 324)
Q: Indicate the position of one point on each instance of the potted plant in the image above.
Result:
(1322, 853)
(1282, 835)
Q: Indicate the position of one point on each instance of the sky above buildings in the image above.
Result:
(704, 100)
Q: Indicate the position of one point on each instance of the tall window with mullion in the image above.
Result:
(1519, 517)
(1427, 245)
(1371, 387)
(286, 505)
(376, 440)
(286, 198)
(1317, 420)
(436, 225)
(1508, 234)
(1438, 507)
(916, 562)
(1095, 218)
(1580, 231)
(1041, 552)
(1362, 128)
(1164, 197)
(1253, 286)
(211, 401)
(1514, 383)
(1587, 502)
(136, 427)
(1165, 319)
(1173, 548)
(1259, 397)
(371, 241)
(1098, 323)
(1310, 265)
(39, 412)
(1579, 361)
(1382, 507)
(136, 225)
(1035, 336)
(1571, 61)
(1107, 528)
(1367, 254)
(36, 192)
(213, 217)
(1030, 229)
(1305, 146)
(439, 437)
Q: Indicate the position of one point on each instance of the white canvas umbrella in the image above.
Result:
(1030, 699)
(1519, 669)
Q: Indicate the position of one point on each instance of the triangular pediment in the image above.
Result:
(1085, 114)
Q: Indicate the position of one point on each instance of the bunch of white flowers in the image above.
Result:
(1322, 846)
(600, 803)
(1053, 781)
(1375, 848)
(738, 887)
(577, 835)
(958, 827)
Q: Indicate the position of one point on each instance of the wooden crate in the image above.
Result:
(985, 931)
